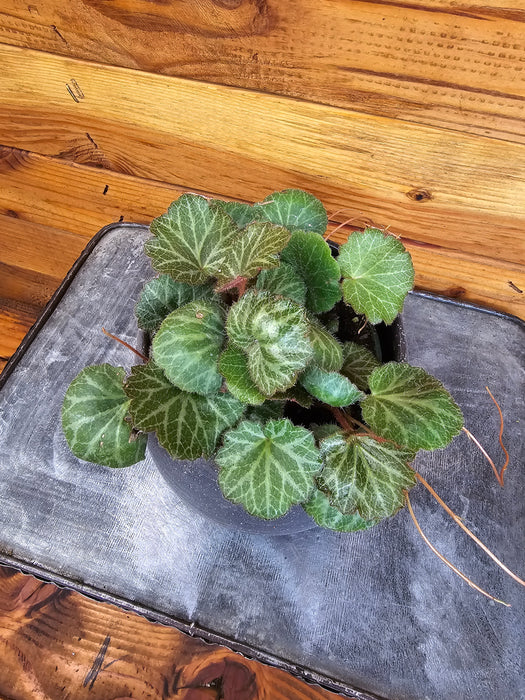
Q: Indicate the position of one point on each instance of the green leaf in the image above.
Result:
(283, 281)
(256, 248)
(163, 295)
(411, 407)
(268, 468)
(358, 364)
(330, 387)
(377, 274)
(325, 515)
(328, 354)
(242, 214)
(233, 365)
(310, 256)
(187, 425)
(324, 430)
(272, 331)
(294, 209)
(192, 241)
(187, 346)
(268, 410)
(93, 418)
(296, 394)
(365, 476)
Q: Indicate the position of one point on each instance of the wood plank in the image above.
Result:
(97, 651)
(459, 66)
(16, 318)
(65, 204)
(460, 191)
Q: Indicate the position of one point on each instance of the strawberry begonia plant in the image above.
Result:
(246, 323)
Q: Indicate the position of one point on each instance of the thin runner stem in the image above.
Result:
(126, 345)
(446, 561)
(485, 454)
(501, 425)
(461, 524)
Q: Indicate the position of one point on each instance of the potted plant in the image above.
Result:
(263, 357)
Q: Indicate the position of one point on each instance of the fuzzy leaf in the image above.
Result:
(268, 468)
(328, 354)
(325, 515)
(283, 281)
(310, 256)
(242, 214)
(233, 365)
(187, 346)
(294, 209)
(296, 394)
(163, 295)
(358, 364)
(272, 331)
(411, 407)
(330, 387)
(93, 418)
(192, 241)
(363, 475)
(256, 248)
(187, 425)
(377, 274)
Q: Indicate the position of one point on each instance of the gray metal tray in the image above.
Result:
(374, 611)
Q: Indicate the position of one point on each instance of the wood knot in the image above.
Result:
(418, 194)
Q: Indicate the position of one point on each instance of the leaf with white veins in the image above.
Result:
(233, 365)
(294, 209)
(161, 296)
(328, 354)
(192, 241)
(188, 344)
(377, 274)
(283, 281)
(187, 425)
(93, 418)
(268, 468)
(358, 364)
(363, 475)
(411, 407)
(325, 515)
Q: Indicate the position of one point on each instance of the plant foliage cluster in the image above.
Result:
(245, 319)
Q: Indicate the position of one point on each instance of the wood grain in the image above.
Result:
(461, 191)
(455, 65)
(96, 651)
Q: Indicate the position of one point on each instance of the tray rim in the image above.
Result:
(193, 630)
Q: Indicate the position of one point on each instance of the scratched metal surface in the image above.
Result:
(374, 610)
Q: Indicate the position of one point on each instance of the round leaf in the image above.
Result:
(283, 281)
(294, 209)
(411, 407)
(310, 256)
(358, 364)
(187, 346)
(363, 475)
(187, 425)
(240, 212)
(328, 354)
(93, 418)
(192, 241)
(330, 387)
(233, 365)
(377, 274)
(163, 295)
(325, 515)
(268, 468)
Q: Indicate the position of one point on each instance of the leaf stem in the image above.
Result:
(459, 522)
(341, 418)
(446, 561)
(126, 345)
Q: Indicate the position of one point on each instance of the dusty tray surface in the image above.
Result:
(375, 610)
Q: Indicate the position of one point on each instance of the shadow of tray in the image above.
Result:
(367, 614)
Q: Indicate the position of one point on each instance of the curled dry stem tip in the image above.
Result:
(445, 560)
(126, 345)
(461, 524)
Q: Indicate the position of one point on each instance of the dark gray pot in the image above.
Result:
(196, 484)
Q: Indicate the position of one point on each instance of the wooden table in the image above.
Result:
(409, 116)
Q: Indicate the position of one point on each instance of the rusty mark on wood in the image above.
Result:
(97, 664)
(55, 29)
(75, 90)
(419, 194)
(515, 287)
